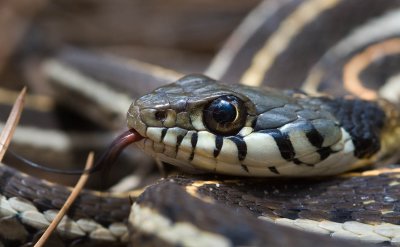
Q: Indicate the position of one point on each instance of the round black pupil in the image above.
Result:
(223, 111)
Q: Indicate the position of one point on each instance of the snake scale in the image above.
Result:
(339, 60)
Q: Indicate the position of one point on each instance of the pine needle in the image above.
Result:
(74, 194)
(12, 122)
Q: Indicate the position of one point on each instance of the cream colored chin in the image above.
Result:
(263, 158)
(155, 149)
(201, 164)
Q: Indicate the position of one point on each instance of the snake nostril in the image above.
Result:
(161, 115)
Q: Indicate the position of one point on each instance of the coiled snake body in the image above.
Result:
(247, 131)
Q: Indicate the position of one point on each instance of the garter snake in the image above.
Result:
(208, 209)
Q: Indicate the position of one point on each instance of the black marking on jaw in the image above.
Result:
(299, 162)
(219, 140)
(179, 139)
(324, 153)
(241, 146)
(163, 133)
(283, 142)
(245, 168)
(273, 170)
(313, 136)
(193, 141)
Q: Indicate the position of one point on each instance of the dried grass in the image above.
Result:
(74, 194)
(12, 122)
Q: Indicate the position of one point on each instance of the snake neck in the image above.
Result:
(374, 126)
(391, 133)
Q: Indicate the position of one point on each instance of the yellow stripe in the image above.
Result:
(353, 69)
(35, 102)
(280, 39)
(314, 79)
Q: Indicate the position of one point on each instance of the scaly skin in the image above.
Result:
(281, 132)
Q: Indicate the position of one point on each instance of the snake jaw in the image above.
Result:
(134, 120)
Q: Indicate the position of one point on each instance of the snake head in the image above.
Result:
(195, 102)
(200, 124)
(186, 115)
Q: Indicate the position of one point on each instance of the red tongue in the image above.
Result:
(116, 147)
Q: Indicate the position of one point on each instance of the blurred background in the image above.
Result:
(181, 35)
(178, 35)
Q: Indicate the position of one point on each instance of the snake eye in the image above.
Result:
(225, 115)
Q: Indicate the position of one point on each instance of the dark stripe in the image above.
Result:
(163, 133)
(193, 141)
(363, 120)
(245, 168)
(241, 146)
(244, 57)
(313, 136)
(219, 140)
(273, 169)
(372, 76)
(306, 47)
(283, 141)
(253, 123)
(324, 153)
(297, 162)
(179, 139)
(7, 175)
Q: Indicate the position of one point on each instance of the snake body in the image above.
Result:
(264, 133)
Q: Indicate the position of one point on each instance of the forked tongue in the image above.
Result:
(106, 159)
(116, 147)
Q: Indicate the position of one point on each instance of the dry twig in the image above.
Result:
(12, 122)
(74, 194)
